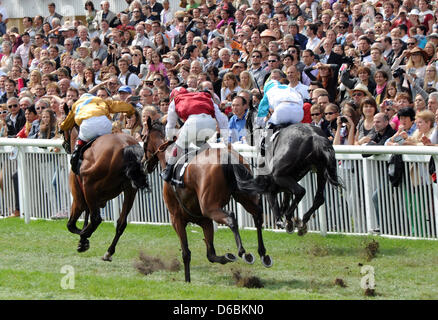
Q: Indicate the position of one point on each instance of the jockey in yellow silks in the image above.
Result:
(92, 115)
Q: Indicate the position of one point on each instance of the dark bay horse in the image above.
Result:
(208, 188)
(296, 150)
(111, 165)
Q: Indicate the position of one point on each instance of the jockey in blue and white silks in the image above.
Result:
(286, 103)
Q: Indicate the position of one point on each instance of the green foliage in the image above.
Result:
(309, 267)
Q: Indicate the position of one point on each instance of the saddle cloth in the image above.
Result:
(181, 165)
(83, 149)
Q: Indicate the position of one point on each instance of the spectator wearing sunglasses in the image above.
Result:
(3, 127)
(16, 119)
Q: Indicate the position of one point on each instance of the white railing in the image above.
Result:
(367, 202)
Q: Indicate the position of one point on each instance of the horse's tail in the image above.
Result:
(133, 155)
(242, 179)
(331, 171)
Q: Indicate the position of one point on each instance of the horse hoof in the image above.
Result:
(230, 257)
(107, 257)
(267, 261)
(279, 224)
(83, 245)
(249, 258)
(302, 231)
(290, 227)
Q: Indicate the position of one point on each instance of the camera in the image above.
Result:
(398, 73)
(348, 60)
(344, 119)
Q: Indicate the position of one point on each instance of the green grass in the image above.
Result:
(32, 255)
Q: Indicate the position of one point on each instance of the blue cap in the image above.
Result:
(126, 89)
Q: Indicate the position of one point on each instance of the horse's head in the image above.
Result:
(70, 137)
(154, 143)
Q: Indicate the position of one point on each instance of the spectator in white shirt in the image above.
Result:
(293, 75)
(313, 40)
(140, 38)
(127, 78)
(23, 49)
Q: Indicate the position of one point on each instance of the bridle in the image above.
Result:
(150, 164)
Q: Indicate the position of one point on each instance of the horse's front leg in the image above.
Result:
(317, 202)
(95, 220)
(229, 219)
(252, 206)
(180, 228)
(207, 228)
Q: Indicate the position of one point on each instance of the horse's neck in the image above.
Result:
(162, 155)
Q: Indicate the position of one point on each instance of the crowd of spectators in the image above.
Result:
(355, 64)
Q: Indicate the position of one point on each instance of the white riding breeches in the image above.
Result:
(287, 112)
(94, 127)
(197, 129)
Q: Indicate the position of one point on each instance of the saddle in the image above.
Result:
(82, 150)
(179, 169)
(275, 132)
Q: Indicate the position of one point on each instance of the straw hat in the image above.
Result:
(84, 45)
(361, 87)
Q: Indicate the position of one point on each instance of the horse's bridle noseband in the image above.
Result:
(161, 148)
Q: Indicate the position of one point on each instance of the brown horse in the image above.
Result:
(111, 165)
(208, 188)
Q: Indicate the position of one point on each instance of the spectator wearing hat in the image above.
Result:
(125, 92)
(53, 40)
(84, 51)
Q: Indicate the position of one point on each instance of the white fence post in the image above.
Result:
(435, 195)
(368, 192)
(22, 185)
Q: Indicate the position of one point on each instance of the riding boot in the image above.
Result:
(75, 156)
(166, 174)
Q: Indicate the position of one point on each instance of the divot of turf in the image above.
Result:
(148, 264)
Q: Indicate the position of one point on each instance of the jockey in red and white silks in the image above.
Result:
(201, 116)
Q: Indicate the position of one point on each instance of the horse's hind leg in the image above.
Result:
(129, 197)
(207, 227)
(317, 202)
(297, 191)
(273, 204)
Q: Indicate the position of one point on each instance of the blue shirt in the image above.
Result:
(237, 129)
